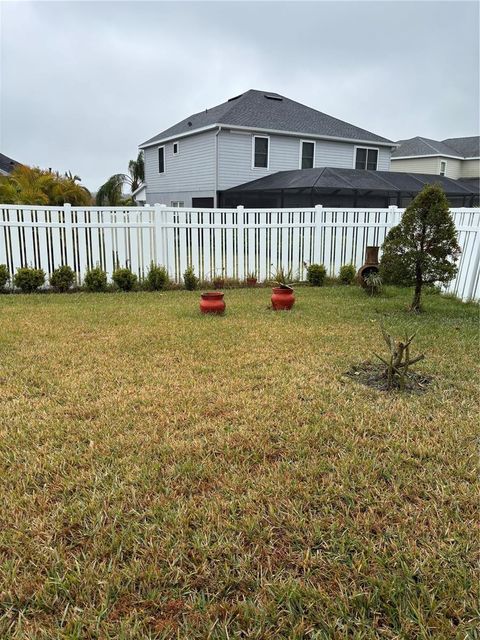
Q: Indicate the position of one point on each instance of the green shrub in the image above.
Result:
(347, 274)
(4, 275)
(95, 279)
(190, 279)
(316, 275)
(157, 278)
(124, 278)
(373, 283)
(62, 278)
(29, 279)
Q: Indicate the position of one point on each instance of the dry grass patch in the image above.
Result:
(170, 475)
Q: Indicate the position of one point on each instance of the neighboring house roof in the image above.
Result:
(267, 111)
(460, 148)
(468, 147)
(7, 165)
(354, 179)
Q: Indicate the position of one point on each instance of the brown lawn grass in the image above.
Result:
(168, 475)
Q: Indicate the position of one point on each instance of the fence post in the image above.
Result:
(318, 233)
(241, 244)
(475, 271)
(394, 215)
(161, 250)
(67, 212)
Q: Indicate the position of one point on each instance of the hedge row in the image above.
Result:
(29, 279)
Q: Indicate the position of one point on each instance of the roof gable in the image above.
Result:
(460, 148)
(419, 146)
(269, 111)
(468, 147)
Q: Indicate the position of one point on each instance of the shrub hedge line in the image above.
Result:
(29, 279)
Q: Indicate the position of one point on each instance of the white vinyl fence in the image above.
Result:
(228, 242)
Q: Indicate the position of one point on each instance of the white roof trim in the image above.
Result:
(430, 155)
(138, 189)
(300, 134)
(161, 141)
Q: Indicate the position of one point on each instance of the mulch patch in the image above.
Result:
(373, 375)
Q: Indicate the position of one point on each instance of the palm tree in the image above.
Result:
(111, 192)
(136, 169)
(31, 185)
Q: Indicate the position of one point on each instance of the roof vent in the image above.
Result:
(272, 96)
(235, 97)
(189, 123)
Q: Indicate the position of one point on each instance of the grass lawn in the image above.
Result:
(170, 475)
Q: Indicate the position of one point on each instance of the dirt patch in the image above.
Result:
(374, 375)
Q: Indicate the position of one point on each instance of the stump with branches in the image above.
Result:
(398, 362)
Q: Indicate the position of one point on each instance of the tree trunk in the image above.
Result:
(416, 306)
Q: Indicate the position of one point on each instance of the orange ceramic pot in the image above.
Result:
(251, 282)
(282, 299)
(212, 302)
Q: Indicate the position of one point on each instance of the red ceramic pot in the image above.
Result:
(212, 302)
(251, 282)
(282, 299)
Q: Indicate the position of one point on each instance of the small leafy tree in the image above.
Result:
(62, 278)
(423, 248)
(190, 279)
(316, 274)
(4, 276)
(124, 278)
(29, 279)
(347, 273)
(157, 277)
(95, 279)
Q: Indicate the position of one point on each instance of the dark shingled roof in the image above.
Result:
(467, 147)
(355, 179)
(457, 147)
(264, 110)
(7, 165)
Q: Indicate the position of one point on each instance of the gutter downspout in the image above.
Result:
(215, 197)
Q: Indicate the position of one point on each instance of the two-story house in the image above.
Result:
(456, 158)
(251, 136)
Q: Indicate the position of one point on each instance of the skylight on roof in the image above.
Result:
(271, 96)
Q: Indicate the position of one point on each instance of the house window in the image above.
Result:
(161, 159)
(307, 154)
(443, 167)
(175, 148)
(177, 203)
(366, 159)
(260, 151)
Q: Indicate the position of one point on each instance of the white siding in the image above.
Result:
(470, 169)
(428, 165)
(167, 197)
(333, 154)
(235, 156)
(192, 169)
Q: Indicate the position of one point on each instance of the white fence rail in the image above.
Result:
(231, 242)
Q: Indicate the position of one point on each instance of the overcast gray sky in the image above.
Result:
(82, 84)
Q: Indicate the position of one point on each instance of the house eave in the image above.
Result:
(296, 134)
(160, 141)
(430, 155)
